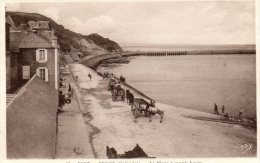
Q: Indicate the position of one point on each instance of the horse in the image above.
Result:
(129, 97)
(155, 110)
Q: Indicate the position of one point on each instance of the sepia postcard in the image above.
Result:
(129, 81)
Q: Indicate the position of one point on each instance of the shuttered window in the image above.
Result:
(26, 72)
(42, 72)
(41, 55)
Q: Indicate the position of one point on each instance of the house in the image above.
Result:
(31, 98)
(35, 51)
(7, 54)
(11, 58)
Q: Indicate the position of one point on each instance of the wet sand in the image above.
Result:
(178, 136)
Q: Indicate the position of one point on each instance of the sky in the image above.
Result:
(172, 22)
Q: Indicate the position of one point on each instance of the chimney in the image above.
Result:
(54, 41)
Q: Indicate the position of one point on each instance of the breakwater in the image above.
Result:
(162, 53)
(94, 61)
(192, 52)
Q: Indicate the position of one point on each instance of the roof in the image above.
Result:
(31, 40)
(44, 25)
(15, 39)
(27, 40)
(31, 121)
(9, 21)
(39, 25)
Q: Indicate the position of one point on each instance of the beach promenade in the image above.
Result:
(112, 123)
(73, 134)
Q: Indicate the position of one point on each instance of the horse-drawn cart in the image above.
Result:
(118, 93)
(112, 82)
(139, 106)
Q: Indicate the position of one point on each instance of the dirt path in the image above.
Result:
(177, 136)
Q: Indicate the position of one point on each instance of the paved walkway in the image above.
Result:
(73, 134)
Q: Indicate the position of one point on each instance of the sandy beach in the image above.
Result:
(178, 136)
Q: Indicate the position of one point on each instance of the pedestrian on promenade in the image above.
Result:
(61, 99)
(216, 109)
(89, 76)
(131, 98)
(223, 109)
(69, 91)
(240, 113)
(127, 94)
(69, 88)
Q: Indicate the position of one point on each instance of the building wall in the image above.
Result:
(14, 65)
(8, 58)
(12, 80)
(28, 58)
(7, 38)
(8, 72)
(58, 65)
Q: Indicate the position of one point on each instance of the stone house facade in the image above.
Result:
(35, 53)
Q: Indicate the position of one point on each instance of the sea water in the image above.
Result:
(195, 81)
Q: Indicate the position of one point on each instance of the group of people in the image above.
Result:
(216, 109)
(63, 100)
(122, 79)
(240, 114)
(60, 82)
(106, 74)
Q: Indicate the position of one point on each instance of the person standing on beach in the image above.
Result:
(240, 113)
(216, 109)
(223, 109)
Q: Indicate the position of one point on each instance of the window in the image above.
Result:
(26, 72)
(42, 72)
(41, 55)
